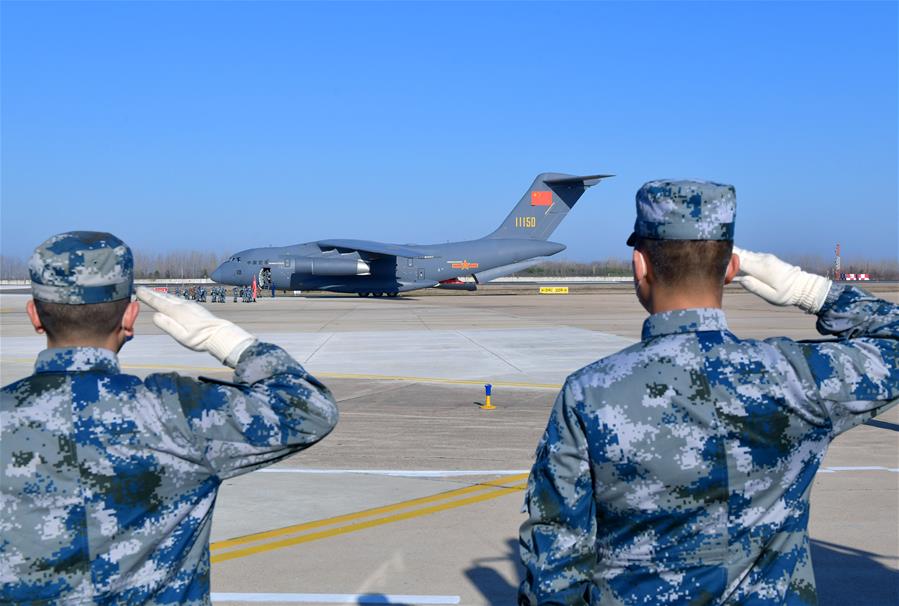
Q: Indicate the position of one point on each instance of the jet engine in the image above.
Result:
(330, 266)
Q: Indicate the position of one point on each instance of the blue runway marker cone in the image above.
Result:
(487, 405)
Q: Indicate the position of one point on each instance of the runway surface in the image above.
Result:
(415, 497)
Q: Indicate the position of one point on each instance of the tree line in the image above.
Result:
(200, 264)
(176, 264)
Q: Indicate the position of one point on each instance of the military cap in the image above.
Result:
(685, 210)
(81, 267)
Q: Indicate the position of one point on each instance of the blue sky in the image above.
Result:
(220, 126)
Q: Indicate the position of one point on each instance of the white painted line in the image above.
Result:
(429, 473)
(869, 468)
(335, 598)
(398, 473)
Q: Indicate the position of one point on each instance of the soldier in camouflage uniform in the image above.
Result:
(107, 481)
(678, 471)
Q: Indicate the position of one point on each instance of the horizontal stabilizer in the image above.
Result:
(587, 181)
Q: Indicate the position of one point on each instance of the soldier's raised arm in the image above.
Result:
(852, 378)
(271, 409)
(557, 541)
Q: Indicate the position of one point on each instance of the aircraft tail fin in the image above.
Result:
(544, 205)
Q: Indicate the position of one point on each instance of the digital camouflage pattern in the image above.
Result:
(81, 267)
(685, 210)
(678, 471)
(108, 481)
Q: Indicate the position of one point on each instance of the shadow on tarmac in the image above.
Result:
(883, 424)
(852, 577)
(845, 577)
(496, 589)
(374, 598)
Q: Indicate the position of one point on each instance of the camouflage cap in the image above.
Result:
(81, 267)
(685, 210)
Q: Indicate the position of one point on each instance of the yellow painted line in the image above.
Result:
(341, 530)
(366, 513)
(259, 536)
(329, 375)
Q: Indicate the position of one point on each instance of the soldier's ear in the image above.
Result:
(639, 265)
(130, 317)
(31, 310)
(733, 267)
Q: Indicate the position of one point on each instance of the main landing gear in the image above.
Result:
(378, 294)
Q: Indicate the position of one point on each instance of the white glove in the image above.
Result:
(195, 327)
(781, 283)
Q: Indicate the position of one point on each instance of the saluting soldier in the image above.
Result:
(107, 481)
(678, 470)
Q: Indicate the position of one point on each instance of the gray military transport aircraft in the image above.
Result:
(376, 268)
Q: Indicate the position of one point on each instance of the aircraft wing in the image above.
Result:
(371, 247)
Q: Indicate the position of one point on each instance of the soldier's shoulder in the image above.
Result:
(30, 387)
(168, 381)
(11, 388)
(617, 366)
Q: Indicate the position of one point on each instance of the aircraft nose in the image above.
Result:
(219, 274)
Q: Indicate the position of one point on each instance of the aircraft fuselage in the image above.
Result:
(297, 267)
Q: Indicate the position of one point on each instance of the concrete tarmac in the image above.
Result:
(415, 497)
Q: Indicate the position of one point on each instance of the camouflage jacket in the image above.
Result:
(108, 482)
(678, 470)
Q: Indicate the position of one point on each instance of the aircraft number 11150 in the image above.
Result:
(526, 222)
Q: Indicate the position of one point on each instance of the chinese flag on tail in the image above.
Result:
(541, 198)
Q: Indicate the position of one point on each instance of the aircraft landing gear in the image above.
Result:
(377, 294)
(363, 294)
(393, 294)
